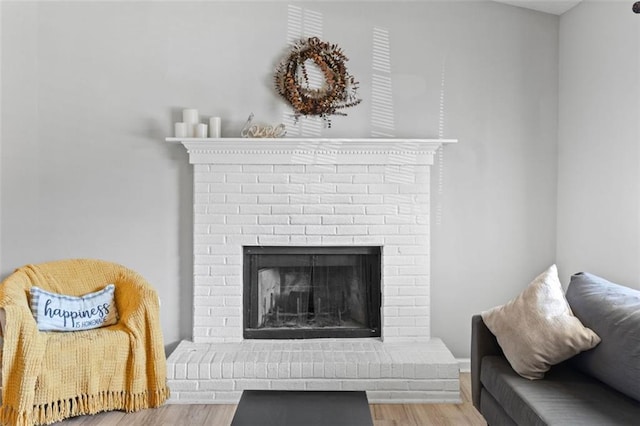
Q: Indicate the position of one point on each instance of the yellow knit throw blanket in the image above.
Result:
(50, 376)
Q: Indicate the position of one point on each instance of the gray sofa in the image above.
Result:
(597, 387)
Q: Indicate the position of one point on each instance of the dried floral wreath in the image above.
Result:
(337, 92)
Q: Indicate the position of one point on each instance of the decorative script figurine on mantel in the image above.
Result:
(252, 130)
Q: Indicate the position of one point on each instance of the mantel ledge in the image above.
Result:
(311, 150)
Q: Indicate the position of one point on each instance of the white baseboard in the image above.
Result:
(464, 364)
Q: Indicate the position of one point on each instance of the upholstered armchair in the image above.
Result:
(51, 375)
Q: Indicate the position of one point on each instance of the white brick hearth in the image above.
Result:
(389, 372)
(312, 192)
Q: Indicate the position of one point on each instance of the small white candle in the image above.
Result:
(190, 116)
(180, 130)
(215, 127)
(201, 130)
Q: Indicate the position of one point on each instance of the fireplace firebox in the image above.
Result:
(311, 292)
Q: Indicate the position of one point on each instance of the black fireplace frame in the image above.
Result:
(250, 292)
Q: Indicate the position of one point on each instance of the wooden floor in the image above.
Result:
(221, 415)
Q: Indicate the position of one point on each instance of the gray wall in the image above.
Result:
(90, 90)
(599, 138)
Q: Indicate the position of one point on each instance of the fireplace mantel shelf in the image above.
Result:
(311, 150)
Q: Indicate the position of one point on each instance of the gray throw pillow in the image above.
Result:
(613, 312)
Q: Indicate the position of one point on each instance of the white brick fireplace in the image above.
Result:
(312, 192)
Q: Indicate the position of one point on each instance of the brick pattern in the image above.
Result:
(389, 372)
(314, 204)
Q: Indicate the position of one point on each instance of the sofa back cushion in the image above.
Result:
(613, 312)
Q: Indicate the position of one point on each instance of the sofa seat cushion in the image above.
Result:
(564, 397)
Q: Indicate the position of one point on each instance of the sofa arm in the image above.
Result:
(483, 343)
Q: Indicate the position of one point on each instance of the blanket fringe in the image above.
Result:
(83, 405)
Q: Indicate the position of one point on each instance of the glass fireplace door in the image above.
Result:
(307, 292)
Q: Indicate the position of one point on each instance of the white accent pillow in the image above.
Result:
(537, 329)
(58, 312)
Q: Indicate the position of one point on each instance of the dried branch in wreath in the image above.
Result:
(338, 90)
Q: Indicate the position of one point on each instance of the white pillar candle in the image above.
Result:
(201, 130)
(215, 127)
(191, 118)
(180, 130)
